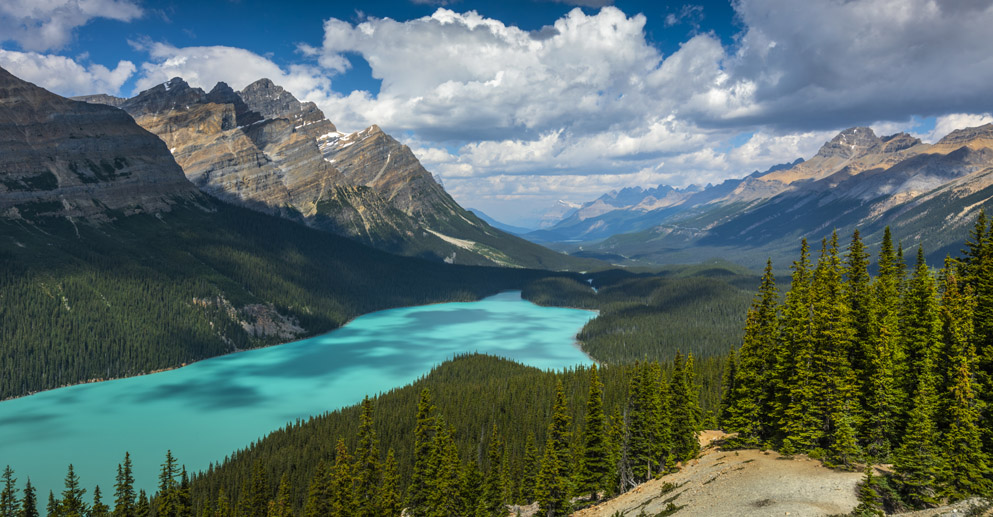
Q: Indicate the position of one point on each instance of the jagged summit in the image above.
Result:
(850, 143)
(170, 95)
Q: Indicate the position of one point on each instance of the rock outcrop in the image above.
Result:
(67, 158)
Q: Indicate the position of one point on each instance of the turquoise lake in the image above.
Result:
(211, 408)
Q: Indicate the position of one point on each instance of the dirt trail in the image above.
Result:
(740, 483)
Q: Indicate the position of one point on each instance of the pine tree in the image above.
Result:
(142, 507)
(339, 496)
(917, 460)
(367, 468)
(529, 477)
(254, 500)
(552, 488)
(10, 506)
(283, 505)
(445, 497)
(124, 496)
(595, 466)
(167, 503)
(728, 378)
(389, 493)
(685, 409)
(965, 466)
(54, 508)
(223, 504)
(749, 417)
(794, 375)
(29, 504)
(419, 487)
(319, 491)
(98, 509)
(491, 499)
(880, 394)
(72, 504)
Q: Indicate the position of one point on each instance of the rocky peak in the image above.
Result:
(898, 142)
(850, 143)
(101, 98)
(962, 137)
(67, 158)
(171, 95)
(224, 94)
(270, 99)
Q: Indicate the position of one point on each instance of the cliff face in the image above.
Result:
(67, 158)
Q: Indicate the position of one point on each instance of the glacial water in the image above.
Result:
(209, 409)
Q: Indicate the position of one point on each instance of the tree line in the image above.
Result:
(858, 369)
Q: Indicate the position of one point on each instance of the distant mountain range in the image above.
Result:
(263, 149)
(927, 193)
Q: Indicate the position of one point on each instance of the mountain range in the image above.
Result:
(263, 149)
(926, 193)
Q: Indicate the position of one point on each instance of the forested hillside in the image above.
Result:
(894, 369)
(82, 301)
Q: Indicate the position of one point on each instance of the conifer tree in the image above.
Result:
(529, 476)
(223, 504)
(491, 499)
(749, 417)
(728, 379)
(880, 394)
(318, 491)
(917, 461)
(595, 466)
(283, 505)
(98, 509)
(167, 501)
(469, 489)
(642, 422)
(184, 501)
(419, 487)
(685, 409)
(142, 507)
(861, 307)
(965, 466)
(552, 489)
(72, 504)
(254, 500)
(29, 504)
(869, 500)
(367, 469)
(920, 332)
(124, 496)
(339, 498)
(794, 375)
(53, 508)
(445, 497)
(389, 492)
(10, 505)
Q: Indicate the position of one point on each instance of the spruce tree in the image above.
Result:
(367, 469)
(53, 508)
(339, 497)
(595, 466)
(254, 499)
(552, 488)
(10, 505)
(98, 509)
(142, 508)
(862, 310)
(881, 392)
(491, 499)
(445, 497)
(965, 466)
(644, 422)
(389, 491)
(184, 501)
(529, 476)
(167, 503)
(728, 378)
(469, 489)
(318, 502)
(794, 375)
(920, 332)
(283, 505)
(419, 486)
(72, 504)
(753, 401)
(124, 496)
(685, 409)
(917, 461)
(223, 504)
(29, 504)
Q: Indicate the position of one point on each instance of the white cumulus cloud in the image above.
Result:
(65, 76)
(39, 25)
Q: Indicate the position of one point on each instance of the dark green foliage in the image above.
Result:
(389, 491)
(684, 410)
(99, 509)
(367, 472)
(595, 465)
(29, 504)
(124, 496)
(71, 504)
(10, 505)
(144, 293)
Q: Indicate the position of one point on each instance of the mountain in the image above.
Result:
(113, 264)
(264, 149)
(73, 159)
(926, 193)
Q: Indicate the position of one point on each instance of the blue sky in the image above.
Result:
(517, 104)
